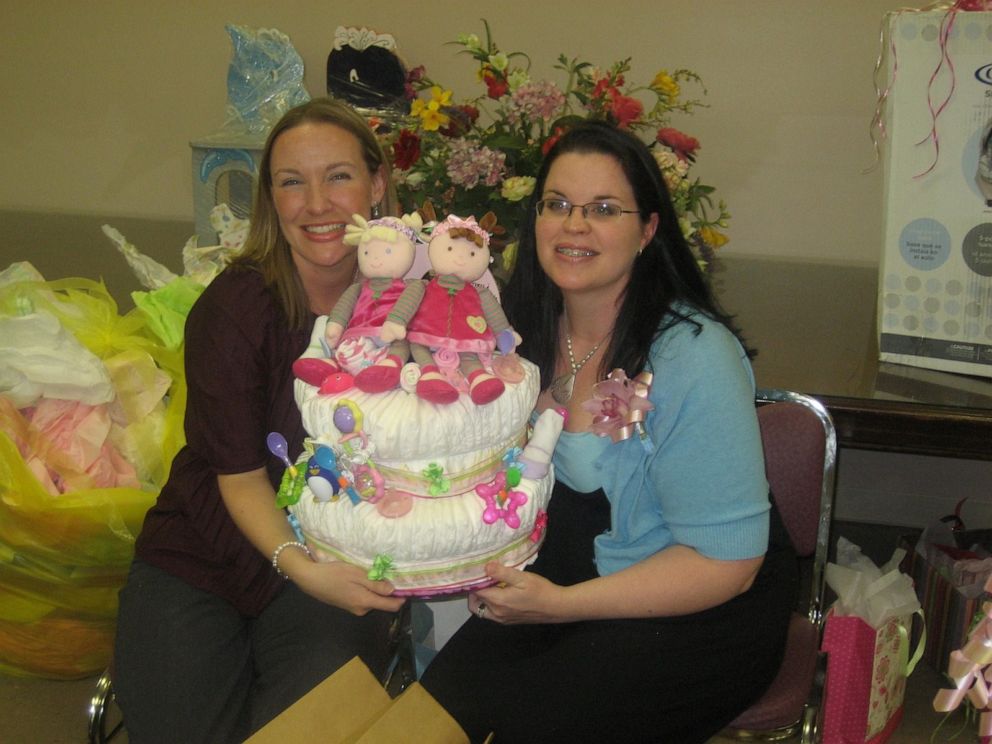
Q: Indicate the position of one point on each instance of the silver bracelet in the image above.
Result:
(290, 544)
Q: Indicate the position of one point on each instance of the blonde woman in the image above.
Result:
(225, 620)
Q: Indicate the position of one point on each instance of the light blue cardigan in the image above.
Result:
(701, 480)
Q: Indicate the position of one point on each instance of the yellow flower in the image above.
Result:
(665, 85)
(517, 78)
(431, 115)
(470, 42)
(510, 257)
(499, 61)
(712, 238)
(516, 188)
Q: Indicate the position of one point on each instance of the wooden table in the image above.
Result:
(813, 325)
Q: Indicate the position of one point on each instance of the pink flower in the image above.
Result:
(540, 101)
(413, 77)
(469, 165)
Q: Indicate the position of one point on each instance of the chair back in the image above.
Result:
(800, 447)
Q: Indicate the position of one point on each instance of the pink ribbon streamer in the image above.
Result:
(876, 129)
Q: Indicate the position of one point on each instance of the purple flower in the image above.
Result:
(535, 101)
(469, 165)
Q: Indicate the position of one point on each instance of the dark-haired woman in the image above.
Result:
(658, 607)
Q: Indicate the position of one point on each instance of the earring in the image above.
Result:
(376, 212)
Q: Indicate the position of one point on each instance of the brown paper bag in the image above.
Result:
(351, 707)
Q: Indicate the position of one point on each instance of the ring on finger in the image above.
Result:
(481, 610)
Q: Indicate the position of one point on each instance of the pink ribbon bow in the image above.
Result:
(971, 673)
(619, 405)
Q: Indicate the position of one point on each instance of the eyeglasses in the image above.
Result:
(593, 211)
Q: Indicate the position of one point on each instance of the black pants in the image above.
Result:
(677, 680)
(190, 668)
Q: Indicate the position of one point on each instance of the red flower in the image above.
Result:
(551, 140)
(682, 145)
(602, 87)
(462, 118)
(406, 150)
(608, 86)
(624, 109)
(495, 83)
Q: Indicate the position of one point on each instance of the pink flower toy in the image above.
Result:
(501, 500)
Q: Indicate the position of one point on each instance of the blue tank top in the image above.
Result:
(575, 460)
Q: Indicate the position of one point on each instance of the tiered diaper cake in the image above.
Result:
(421, 493)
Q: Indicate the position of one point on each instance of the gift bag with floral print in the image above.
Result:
(866, 678)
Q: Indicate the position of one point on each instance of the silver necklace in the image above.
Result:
(561, 387)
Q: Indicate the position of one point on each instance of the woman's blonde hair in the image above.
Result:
(266, 248)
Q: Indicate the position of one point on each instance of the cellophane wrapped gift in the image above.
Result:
(950, 569)
(91, 408)
(867, 642)
(970, 672)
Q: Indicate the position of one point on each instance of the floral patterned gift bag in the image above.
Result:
(866, 678)
(867, 642)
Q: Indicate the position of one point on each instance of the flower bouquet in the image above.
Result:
(482, 154)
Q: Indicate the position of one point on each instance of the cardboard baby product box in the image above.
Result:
(935, 278)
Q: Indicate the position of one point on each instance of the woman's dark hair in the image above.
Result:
(664, 273)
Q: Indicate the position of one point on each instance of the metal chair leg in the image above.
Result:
(98, 720)
(402, 670)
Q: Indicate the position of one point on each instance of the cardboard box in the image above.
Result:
(935, 278)
(351, 707)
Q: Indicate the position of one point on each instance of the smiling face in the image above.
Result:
(458, 257)
(580, 255)
(319, 180)
(380, 258)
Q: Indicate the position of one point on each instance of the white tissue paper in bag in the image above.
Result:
(40, 358)
(875, 594)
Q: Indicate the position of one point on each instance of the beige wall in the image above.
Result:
(101, 97)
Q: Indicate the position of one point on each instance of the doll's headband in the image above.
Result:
(468, 223)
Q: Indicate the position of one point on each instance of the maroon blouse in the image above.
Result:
(239, 356)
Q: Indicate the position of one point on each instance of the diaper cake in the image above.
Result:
(422, 461)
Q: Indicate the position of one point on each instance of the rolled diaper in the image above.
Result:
(536, 456)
